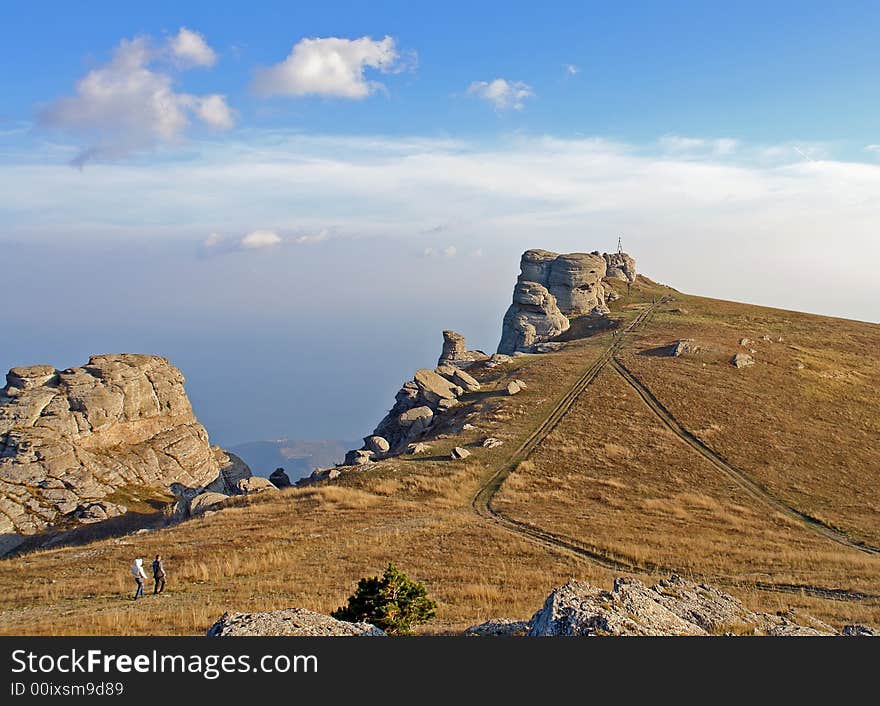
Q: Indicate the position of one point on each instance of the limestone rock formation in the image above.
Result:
(455, 351)
(620, 266)
(673, 606)
(417, 404)
(553, 287)
(459, 453)
(291, 622)
(71, 439)
(533, 317)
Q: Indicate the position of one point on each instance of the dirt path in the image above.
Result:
(482, 500)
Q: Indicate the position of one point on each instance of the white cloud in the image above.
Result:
(189, 48)
(128, 105)
(571, 69)
(260, 239)
(503, 94)
(874, 149)
(450, 251)
(330, 66)
(213, 110)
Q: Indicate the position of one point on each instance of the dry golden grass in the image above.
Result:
(609, 475)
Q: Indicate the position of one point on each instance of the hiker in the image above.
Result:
(158, 575)
(137, 570)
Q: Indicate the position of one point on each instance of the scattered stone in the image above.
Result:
(513, 388)
(459, 453)
(280, 479)
(741, 360)
(468, 427)
(418, 448)
(766, 338)
(685, 346)
(746, 342)
(612, 296)
(799, 366)
(490, 442)
(293, 622)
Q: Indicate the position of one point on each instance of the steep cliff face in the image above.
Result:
(71, 440)
(549, 289)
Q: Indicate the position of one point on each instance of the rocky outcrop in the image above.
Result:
(620, 266)
(73, 441)
(533, 317)
(673, 606)
(417, 405)
(292, 622)
(455, 351)
(551, 288)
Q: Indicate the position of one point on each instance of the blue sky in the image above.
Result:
(291, 200)
(764, 72)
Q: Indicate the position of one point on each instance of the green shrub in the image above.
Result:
(392, 603)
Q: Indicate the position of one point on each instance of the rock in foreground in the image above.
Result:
(673, 606)
(291, 622)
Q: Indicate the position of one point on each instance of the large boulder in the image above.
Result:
(532, 318)
(291, 622)
(206, 501)
(255, 484)
(120, 422)
(279, 478)
(673, 606)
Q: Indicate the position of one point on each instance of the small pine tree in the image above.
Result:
(392, 603)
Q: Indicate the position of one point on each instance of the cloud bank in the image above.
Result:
(699, 212)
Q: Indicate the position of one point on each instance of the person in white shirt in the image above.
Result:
(137, 570)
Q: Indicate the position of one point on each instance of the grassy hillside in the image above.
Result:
(611, 480)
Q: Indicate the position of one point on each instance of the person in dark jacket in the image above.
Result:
(158, 575)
